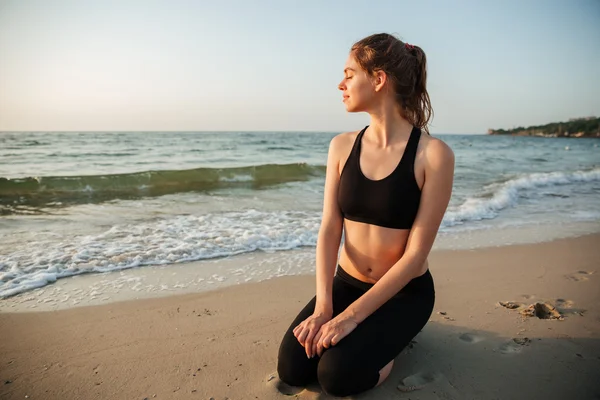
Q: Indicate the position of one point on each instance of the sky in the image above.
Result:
(275, 65)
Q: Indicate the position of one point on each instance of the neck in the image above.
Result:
(388, 126)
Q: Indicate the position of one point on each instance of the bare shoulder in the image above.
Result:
(341, 144)
(436, 152)
(342, 140)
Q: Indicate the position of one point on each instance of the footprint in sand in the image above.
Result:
(562, 303)
(281, 387)
(511, 305)
(418, 381)
(510, 348)
(566, 307)
(470, 338)
(514, 346)
(579, 276)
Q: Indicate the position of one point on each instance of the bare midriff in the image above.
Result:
(369, 251)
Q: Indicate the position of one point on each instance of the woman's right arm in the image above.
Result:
(330, 232)
(328, 244)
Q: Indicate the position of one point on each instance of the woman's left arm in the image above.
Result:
(435, 196)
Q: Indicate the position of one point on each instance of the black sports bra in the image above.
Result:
(391, 202)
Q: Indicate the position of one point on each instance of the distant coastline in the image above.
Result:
(573, 128)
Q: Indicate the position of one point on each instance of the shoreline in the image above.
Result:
(217, 273)
(577, 135)
(224, 342)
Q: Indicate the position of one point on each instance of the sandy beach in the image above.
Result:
(223, 343)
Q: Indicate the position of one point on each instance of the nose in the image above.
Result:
(341, 85)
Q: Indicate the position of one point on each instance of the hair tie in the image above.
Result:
(409, 46)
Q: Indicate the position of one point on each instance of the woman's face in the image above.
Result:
(357, 87)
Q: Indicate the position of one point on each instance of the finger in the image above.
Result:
(302, 335)
(320, 348)
(308, 343)
(326, 341)
(336, 339)
(297, 330)
(301, 342)
(310, 340)
(311, 334)
(318, 336)
(316, 342)
(321, 345)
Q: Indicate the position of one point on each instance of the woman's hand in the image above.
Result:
(332, 332)
(306, 331)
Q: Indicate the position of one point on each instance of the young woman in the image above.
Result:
(387, 187)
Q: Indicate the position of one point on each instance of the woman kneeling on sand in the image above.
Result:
(387, 188)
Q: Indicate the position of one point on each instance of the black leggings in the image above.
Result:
(352, 366)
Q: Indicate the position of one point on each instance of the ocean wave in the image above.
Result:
(38, 191)
(82, 155)
(505, 194)
(281, 148)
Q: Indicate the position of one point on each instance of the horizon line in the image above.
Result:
(203, 131)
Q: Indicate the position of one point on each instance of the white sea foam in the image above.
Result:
(507, 194)
(167, 241)
(586, 215)
(35, 263)
(237, 178)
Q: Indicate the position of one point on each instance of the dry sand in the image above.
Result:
(223, 344)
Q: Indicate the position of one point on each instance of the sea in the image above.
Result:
(126, 208)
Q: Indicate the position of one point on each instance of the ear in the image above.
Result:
(379, 80)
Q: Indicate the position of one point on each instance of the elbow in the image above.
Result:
(331, 231)
(415, 260)
(331, 224)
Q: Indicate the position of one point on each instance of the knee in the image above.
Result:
(341, 379)
(335, 383)
(290, 372)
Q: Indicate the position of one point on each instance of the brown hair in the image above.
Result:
(405, 66)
